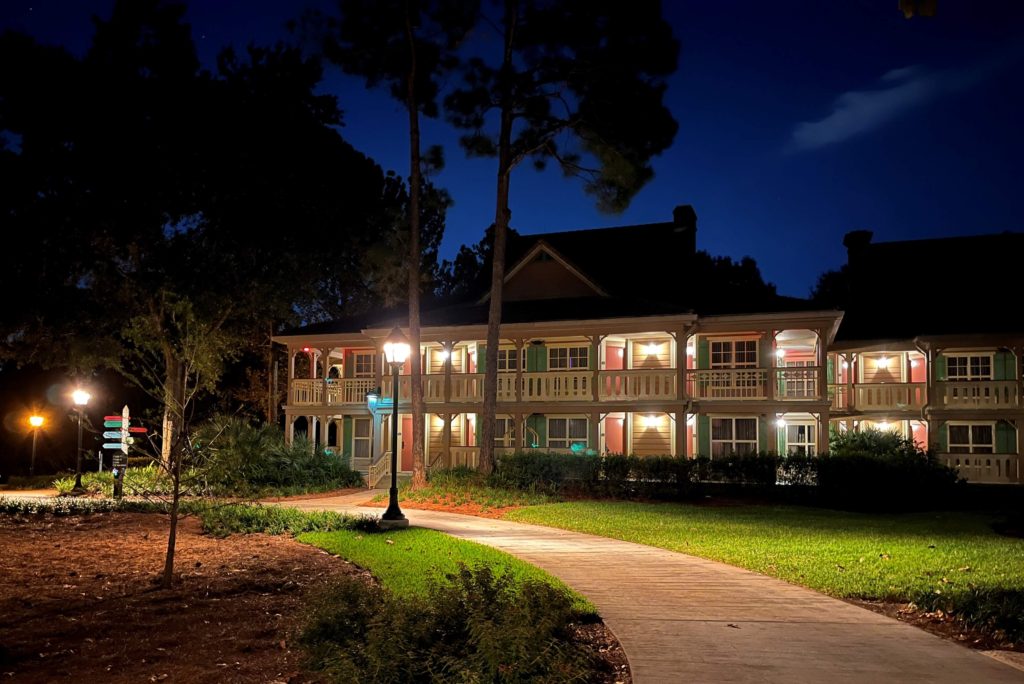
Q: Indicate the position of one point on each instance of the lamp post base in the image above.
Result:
(398, 523)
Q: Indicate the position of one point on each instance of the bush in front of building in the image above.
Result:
(883, 471)
(547, 472)
(239, 458)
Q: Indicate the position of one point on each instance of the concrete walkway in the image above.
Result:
(686, 619)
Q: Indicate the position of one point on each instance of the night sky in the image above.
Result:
(798, 122)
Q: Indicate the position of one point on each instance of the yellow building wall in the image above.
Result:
(435, 362)
(874, 372)
(655, 440)
(436, 434)
(662, 358)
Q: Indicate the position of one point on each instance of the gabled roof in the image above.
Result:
(539, 247)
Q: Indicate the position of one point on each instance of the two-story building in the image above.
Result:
(620, 340)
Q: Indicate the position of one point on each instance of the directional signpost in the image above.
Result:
(123, 435)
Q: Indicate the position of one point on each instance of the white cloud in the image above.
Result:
(897, 92)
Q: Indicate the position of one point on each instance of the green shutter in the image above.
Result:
(481, 358)
(478, 426)
(1003, 366)
(831, 366)
(762, 434)
(943, 437)
(346, 435)
(704, 435)
(780, 446)
(1006, 438)
(703, 357)
(538, 423)
(940, 367)
(536, 358)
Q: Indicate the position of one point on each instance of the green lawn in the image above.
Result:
(405, 561)
(890, 557)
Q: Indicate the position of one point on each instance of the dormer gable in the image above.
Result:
(543, 273)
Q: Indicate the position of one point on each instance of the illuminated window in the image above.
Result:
(563, 433)
(733, 436)
(800, 439)
(968, 367)
(733, 354)
(971, 438)
(504, 432)
(566, 358)
(361, 437)
(507, 359)
(363, 364)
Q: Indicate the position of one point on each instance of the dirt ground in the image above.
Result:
(78, 600)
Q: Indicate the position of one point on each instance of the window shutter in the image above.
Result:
(704, 361)
(762, 433)
(539, 424)
(346, 436)
(943, 438)
(1003, 366)
(831, 370)
(481, 358)
(704, 434)
(940, 367)
(1006, 438)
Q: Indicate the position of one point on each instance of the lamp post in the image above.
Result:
(81, 398)
(396, 351)
(36, 421)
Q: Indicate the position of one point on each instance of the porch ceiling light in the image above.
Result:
(780, 353)
(651, 349)
(884, 426)
(396, 347)
(913, 363)
(689, 350)
(650, 421)
(781, 422)
(445, 354)
(882, 362)
(846, 364)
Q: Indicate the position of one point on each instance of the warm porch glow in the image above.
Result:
(882, 362)
(689, 351)
(650, 421)
(651, 349)
(781, 422)
(884, 426)
(780, 353)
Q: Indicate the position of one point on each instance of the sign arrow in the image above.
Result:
(111, 445)
(112, 423)
(112, 434)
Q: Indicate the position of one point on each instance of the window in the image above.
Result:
(733, 354)
(504, 432)
(733, 436)
(563, 433)
(800, 439)
(798, 383)
(968, 367)
(361, 437)
(971, 438)
(363, 364)
(507, 359)
(565, 358)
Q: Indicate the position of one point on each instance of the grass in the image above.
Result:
(949, 560)
(406, 561)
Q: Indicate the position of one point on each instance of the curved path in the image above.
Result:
(681, 618)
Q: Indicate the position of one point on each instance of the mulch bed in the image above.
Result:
(80, 600)
(941, 624)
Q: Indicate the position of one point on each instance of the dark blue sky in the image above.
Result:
(798, 122)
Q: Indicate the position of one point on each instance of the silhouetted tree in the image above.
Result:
(405, 45)
(576, 82)
(832, 290)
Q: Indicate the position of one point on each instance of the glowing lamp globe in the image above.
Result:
(80, 397)
(396, 347)
(36, 421)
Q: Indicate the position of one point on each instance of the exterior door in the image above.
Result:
(406, 439)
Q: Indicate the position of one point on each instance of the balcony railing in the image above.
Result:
(727, 384)
(637, 385)
(797, 383)
(986, 468)
(977, 394)
(885, 396)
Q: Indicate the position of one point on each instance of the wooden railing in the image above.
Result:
(977, 394)
(628, 385)
(468, 456)
(558, 386)
(727, 384)
(879, 396)
(379, 470)
(312, 391)
(307, 391)
(986, 468)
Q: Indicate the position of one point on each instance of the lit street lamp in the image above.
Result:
(36, 422)
(396, 351)
(81, 398)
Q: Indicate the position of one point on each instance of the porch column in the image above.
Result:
(682, 448)
(595, 354)
(821, 356)
(768, 340)
(378, 367)
(325, 431)
(823, 429)
(681, 337)
(289, 428)
(446, 437)
(519, 368)
(326, 355)
(594, 431)
(520, 420)
(449, 348)
(853, 363)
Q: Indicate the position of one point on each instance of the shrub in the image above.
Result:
(150, 480)
(548, 472)
(474, 625)
(222, 520)
(242, 459)
(874, 470)
(759, 468)
(33, 481)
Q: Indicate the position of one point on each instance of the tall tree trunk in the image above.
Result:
(177, 371)
(419, 478)
(501, 221)
(174, 398)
